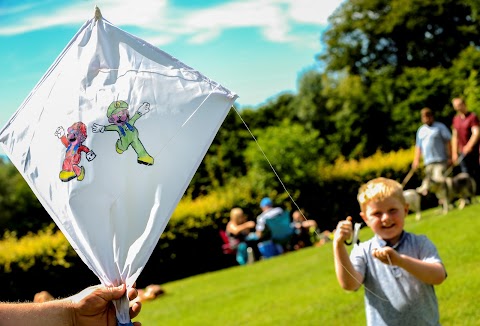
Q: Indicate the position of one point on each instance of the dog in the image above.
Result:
(461, 186)
(413, 199)
(440, 189)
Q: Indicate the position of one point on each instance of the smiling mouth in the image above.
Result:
(388, 227)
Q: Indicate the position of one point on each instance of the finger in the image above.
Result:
(135, 309)
(132, 293)
(350, 219)
(137, 323)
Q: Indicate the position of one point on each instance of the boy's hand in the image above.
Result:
(386, 255)
(343, 232)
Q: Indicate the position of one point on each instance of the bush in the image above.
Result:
(49, 247)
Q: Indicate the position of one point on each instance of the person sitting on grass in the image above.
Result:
(43, 296)
(240, 236)
(303, 229)
(151, 292)
(398, 269)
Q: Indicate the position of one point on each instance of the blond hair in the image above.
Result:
(237, 215)
(379, 189)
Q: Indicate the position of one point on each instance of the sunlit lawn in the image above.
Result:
(300, 288)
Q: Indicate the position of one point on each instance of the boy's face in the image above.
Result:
(386, 218)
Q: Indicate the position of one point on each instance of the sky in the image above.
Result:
(256, 48)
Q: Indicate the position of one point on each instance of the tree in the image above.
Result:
(272, 113)
(367, 35)
(310, 103)
(361, 120)
(20, 210)
(224, 159)
(465, 74)
(290, 149)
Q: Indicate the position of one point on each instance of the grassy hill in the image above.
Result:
(300, 288)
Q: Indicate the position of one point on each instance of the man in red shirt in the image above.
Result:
(465, 136)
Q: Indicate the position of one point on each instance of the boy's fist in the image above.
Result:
(343, 232)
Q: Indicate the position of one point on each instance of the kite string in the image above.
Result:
(271, 166)
(293, 200)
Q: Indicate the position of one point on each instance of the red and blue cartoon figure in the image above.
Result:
(119, 117)
(73, 141)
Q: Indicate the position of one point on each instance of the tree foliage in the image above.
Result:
(20, 210)
(367, 35)
(286, 153)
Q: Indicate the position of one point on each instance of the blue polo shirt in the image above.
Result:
(432, 141)
(392, 295)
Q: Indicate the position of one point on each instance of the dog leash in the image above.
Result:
(408, 177)
(450, 169)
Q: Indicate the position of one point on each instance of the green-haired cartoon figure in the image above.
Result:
(118, 116)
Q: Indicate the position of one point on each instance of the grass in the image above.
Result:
(300, 288)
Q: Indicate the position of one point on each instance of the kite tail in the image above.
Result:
(122, 324)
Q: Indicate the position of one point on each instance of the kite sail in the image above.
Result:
(109, 140)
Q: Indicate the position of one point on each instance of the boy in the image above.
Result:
(397, 268)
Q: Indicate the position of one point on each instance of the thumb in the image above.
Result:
(114, 293)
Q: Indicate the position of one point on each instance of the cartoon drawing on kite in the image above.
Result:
(73, 141)
(118, 116)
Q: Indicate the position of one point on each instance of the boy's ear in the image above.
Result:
(364, 217)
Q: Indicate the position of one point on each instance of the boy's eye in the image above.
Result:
(393, 210)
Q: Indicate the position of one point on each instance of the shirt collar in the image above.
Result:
(382, 243)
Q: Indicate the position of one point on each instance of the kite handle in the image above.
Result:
(356, 230)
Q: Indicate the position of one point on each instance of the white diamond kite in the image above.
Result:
(109, 139)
